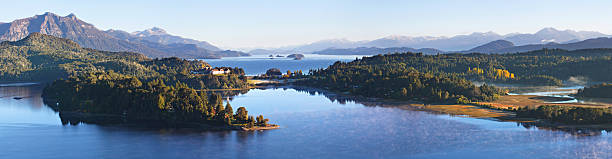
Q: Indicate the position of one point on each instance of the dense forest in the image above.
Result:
(109, 93)
(124, 85)
(446, 77)
(44, 58)
(406, 83)
(568, 115)
(542, 67)
(596, 91)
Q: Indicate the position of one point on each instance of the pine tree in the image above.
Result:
(228, 109)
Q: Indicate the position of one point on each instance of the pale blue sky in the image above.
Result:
(263, 23)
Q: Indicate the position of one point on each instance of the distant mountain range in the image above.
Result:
(159, 35)
(448, 44)
(156, 42)
(503, 46)
(153, 42)
(491, 46)
(375, 50)
(494, 47)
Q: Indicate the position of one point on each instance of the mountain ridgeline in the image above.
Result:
(459, 43)
(375, 50)
(160, 35)
(153, 43)
(502, 46)
(493, 47)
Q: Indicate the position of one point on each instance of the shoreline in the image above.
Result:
(481, 110)
(473, 110)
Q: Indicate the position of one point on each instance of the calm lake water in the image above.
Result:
(259, 64)
(313, 126)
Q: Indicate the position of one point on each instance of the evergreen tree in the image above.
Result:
(228, 109)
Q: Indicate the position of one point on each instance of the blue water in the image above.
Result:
(259, 64)
(313, 126)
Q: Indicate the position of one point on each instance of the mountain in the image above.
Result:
(89, 36)
(374, 51)
(548, 35)
(398, 41)
(602, 42)
(492, 46)
(458, 42)
(69, 27)
(454, 43)
(159, 35)
(324, 44)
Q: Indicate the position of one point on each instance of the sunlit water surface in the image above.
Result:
(312, 127)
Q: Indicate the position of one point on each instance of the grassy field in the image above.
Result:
(515, 101)
(466, 110)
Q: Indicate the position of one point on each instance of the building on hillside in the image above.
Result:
(213, 71)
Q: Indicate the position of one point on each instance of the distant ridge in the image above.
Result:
(492, 46)
(450, 44)
(602, 42)
(159, 35)
(375, 50)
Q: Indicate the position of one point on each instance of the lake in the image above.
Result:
(259, 64)
(313, 126)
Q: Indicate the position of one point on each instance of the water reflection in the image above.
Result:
(257, 105)
(586, 130)
(22, 104)
(29, 96)
(313, 126)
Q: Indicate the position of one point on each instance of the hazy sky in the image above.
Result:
(262, 23)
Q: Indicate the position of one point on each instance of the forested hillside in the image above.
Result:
(40, 57)
(543, 67)
(107, 87)
(446, 77)
(44, 58)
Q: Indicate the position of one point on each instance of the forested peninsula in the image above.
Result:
(448, 78)
(102, 87)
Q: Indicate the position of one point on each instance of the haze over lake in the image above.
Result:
(313, 126)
